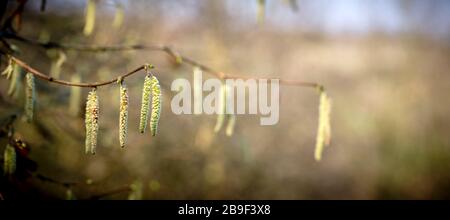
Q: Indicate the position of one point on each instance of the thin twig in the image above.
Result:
(51, 180)
(169, 51)
(67, 83)
(112, 192)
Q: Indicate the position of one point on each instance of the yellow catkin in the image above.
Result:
(123, 114)
(90, 17)
(55, 69)
(118, 17)
(231, 124)
(261, 11)
(30, 97)
(15, 74)
(75, 96)
(91, 121)
(9, 69)
(178, 59)
(9, 160)
(156, 106)
(145, 103)
(323, 130)
(221, 107)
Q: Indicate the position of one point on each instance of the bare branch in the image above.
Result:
(67, 83)
(166, 49)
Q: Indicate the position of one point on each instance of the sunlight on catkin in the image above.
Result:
(90, 17)
(145, 103)
(9, 160)
(123, 114)
(30, 97)
(156, 106)
(323, 130)
(91, 120)
(75, 96)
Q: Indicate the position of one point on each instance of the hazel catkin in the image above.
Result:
(323, 130)
(91, 120)
(9, 160)
(123, 114)
(30, 96)
(156, 106)
(145, 103)
(90, 17)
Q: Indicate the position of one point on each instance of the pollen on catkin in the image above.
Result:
(91, 120)
(156, 106)
(90, 17)
(145, 103)
(221, 107)
(75, 96)
(9, 160)
(323, 130)
(30, 97)
(123, 114)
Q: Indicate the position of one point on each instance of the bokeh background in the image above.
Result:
(384, 63)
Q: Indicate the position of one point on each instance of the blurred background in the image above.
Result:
(385, 65)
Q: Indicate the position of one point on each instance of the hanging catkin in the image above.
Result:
(323, 130)
(30, 97)
(118, 17)
(15, 74)
(156, 106)
(91, 120)
(231, 124)
(55, 69)
(260, 14)
(75, 96)
(9, 160)
(9, 69)
(123, 114)
(90, 17)
(221, 107)
(145, 103)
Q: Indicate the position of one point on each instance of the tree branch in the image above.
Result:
(67, 83)
(161, 48)
(112, 192)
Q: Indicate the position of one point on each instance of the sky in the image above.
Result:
(431, 17)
